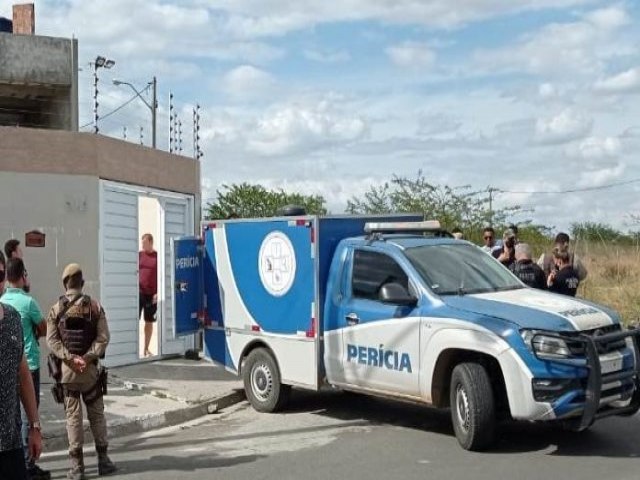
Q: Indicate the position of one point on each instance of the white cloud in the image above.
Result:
(247, 81)
(285, 129)
(596, 148)
(411, 55)
(294, 128)
(547, 90)
(277, 17)
(602, 176)
(339, 56)
(568, 125)
(609, 18)
(438, 124)
(562, 49)
(625, 82)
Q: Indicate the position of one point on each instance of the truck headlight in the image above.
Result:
(545, 346)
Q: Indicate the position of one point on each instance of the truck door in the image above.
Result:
(186, 257)
(381, 342)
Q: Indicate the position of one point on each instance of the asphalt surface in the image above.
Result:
(344, 436)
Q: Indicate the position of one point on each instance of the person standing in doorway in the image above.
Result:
(12, 250)
(33, 327)
(148, 295)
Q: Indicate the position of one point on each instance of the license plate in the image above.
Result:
(609, 363)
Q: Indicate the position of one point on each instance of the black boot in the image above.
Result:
(105, 465)
(34, 472)
(76, 472)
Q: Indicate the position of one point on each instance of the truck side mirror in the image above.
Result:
(396, 294)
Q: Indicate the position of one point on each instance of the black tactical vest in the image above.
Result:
(77, 324)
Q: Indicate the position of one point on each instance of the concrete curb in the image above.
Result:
(57, 440)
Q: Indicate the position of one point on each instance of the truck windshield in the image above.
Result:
(458, 269)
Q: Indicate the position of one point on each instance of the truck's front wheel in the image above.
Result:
(262, 382)
(472, 406)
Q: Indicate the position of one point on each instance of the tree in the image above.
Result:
(593, 231)
(252, 200)
(452, 206)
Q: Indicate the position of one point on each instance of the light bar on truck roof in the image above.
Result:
(402, 227)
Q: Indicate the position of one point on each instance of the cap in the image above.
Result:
(70, 269)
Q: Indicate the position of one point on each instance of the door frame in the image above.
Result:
(159, 195)
(168, 302)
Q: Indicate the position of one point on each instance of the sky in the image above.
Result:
(331, 98)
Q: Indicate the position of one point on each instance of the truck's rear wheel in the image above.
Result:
(262, 382)
(472, 406)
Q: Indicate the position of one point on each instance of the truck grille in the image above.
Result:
(577, 348)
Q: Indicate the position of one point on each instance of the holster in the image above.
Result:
(57, 390)
(103, 379)
(99, 389)
(54, 364)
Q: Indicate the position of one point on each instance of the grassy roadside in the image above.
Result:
(614, 278)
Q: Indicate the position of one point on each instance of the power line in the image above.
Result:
(113, 111)
(571, 190)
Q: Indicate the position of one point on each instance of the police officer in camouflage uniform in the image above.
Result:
(77, 334)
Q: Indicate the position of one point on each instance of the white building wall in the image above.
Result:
(65, 208)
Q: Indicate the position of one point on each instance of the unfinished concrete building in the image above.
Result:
(38, 76)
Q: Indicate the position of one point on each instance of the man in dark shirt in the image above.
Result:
(16, 382)
(563, 279)
(528, 272)
(148, 295)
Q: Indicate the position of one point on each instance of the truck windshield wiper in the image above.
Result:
(507, 288)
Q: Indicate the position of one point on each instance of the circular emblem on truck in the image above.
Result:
(277, 264)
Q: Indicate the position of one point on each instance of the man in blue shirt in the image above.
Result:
(33, 327)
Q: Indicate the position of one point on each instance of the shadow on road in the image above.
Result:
(168, 463)
(617, 437)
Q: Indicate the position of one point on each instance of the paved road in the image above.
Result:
(341, 436)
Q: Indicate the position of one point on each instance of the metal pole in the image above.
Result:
(95, 98)
(154, 109)
(490, 206)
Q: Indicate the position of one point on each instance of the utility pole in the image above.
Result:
(153, 106)
(491, 190)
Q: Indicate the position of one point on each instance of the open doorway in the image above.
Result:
(149, 319)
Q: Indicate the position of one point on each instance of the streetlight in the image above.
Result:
(99, 62)
(153, 106)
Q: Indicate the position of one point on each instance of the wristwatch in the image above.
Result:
(35, 426)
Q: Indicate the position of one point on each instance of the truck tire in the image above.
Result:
(472, 406)
(262, 382)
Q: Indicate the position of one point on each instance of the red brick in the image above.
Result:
(24, 19)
